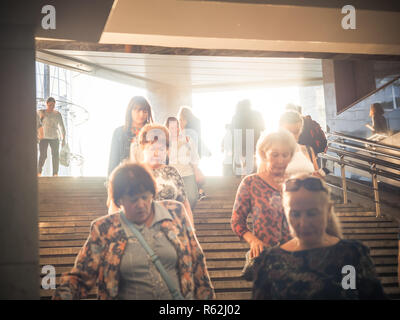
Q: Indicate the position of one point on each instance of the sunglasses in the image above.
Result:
(311, 184)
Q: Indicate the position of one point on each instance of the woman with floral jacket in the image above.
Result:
(114, 260)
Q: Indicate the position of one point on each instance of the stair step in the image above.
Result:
(66, 215)
(245, 295)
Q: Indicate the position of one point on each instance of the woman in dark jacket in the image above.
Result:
(379, 123)
(124, 143)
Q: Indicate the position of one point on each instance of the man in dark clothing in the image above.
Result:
(246, 126)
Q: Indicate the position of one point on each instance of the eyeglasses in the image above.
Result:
(311, 184)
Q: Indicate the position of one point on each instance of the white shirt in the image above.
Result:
(300, 163)
(183, 155)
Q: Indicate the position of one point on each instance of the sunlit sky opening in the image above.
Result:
(106, 101)
(215, 109)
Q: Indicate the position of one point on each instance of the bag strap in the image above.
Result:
(309, 153)
(176, 295)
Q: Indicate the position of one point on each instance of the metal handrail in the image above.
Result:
(365, 158)
(361, 148)
(363, 167)
(362, 140)
(371, 160)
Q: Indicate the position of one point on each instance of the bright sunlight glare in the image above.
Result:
(106, 102)
(215, 109)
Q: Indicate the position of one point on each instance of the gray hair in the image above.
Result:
(280, 137)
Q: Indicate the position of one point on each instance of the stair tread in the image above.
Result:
(66, 215)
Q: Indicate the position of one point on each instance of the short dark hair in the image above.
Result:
(131, 179)
(51, 99)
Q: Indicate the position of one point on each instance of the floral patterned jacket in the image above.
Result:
(257, 198)
(98, 262)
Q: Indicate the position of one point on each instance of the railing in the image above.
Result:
(341, 151)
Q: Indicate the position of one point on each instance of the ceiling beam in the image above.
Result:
(88, 46)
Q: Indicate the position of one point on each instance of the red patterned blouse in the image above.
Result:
(264, 203)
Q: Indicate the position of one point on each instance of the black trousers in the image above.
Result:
(55, 154)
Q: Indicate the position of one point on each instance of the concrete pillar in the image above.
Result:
(19, 256)
(329, 93)
(312, 103)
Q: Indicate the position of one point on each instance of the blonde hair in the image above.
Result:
(152, 133)
(266, 141)
(333, 227)
(291, 117)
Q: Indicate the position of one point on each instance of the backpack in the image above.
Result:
(313, 136)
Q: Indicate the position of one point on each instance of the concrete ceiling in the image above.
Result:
(257, 26)
(281, 26)
(201, 71)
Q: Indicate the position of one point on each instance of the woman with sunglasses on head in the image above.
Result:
(259, 195)
(317, 263)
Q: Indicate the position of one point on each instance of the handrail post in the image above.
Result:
(344, 182)
(376, 191)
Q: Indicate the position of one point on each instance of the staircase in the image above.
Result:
(68, 205)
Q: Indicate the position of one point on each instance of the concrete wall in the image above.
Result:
(166, 100)
(313, 103)
(342, 88)
(19, 256)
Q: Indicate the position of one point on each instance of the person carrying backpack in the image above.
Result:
(312, 135)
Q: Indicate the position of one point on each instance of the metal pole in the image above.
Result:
(376, 192)
(344, 183)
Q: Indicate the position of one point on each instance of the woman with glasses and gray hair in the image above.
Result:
(317, 263)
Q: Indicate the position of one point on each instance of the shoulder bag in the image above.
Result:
(176, 295)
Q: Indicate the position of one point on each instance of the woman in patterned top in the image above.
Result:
(259, 195)
(153, 140)
(316, 263)
(154, 143)
(114, 260)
